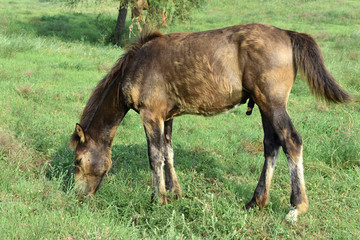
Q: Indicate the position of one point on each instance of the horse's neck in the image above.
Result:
(107, 118)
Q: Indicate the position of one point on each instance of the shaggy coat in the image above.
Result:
(205, 73)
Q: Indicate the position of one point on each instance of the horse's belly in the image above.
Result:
(209, 100)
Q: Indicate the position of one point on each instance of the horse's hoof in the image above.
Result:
(250, 205)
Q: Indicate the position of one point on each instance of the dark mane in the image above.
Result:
(115, 75)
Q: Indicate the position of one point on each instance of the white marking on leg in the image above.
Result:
(268, 177)
(302, 207)
(269, 173)
(171, 174)
(291, 217)
(158, 176)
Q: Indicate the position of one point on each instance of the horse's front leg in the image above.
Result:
(171, 181)
(154, 129)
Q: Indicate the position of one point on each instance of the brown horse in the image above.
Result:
(137, 7)
(164, 76)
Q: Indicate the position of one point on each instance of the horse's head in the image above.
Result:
(92, 161)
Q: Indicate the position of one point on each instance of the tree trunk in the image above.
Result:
(120, 24)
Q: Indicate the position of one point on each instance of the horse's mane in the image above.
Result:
(115, 75)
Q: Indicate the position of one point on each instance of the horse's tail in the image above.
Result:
(308, 59)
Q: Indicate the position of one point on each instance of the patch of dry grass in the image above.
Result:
(253, 147)
(18, 155)
(25, 89)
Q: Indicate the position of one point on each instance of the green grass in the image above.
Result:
(51, 57)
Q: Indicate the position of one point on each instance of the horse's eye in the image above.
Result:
(78, 161)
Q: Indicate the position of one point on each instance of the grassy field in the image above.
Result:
(51, 57)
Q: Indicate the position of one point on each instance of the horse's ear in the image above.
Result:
(80, 132)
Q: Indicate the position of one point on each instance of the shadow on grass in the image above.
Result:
(132, 161)
(199, 174)
(92, 28)
(135, 157)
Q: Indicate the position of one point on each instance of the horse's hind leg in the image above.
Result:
(292, 146)
(271, 151)
(171, 181)
(154, 129)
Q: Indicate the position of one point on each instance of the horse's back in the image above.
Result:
(204, 72)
